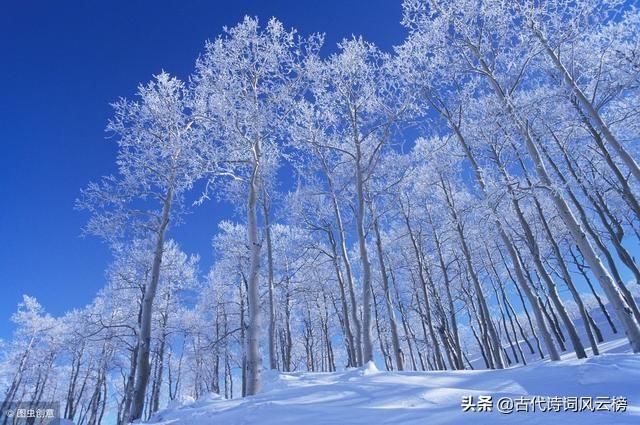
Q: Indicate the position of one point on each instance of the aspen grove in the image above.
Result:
(469, 199)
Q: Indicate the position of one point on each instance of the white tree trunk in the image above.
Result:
(351, 349)
(273, 361)
(496, 349)
(534, 249)
(393, 325)
(367, 344)
(631, 164)
(144, 337)
(254, 359)
(515, 260)
(579, 237)
(347, 265)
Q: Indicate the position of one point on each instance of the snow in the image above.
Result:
(369, 396)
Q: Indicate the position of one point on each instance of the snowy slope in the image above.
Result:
(368, 396)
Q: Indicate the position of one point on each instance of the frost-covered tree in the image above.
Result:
(466, 200)
(356, 104)
(246, 84)
(157, 164)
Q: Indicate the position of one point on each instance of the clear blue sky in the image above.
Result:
(61, 64)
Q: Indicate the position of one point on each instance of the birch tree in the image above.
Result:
(246, 83)
(156, 164)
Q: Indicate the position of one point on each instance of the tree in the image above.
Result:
(246, 84)
(157, 164)
(356, 105)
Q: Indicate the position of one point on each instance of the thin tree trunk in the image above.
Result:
(506, 240)
(591, 111)
(404, 320)
(385, 355)
(563, 267)
(524, 307)
(243, 336)
(511, 314)
(579, 237)
(482, 303)
(447, 282)
(155, 393)
(254, 359)
(144, 337)
(273, 363)
(481, 344)
(504, 325)
(367, 345)
(423, 287)
(347, 264)
(593, 291)
(351, 349)
(532, 244)
(70, 406)
(626, 294)
(393, 326)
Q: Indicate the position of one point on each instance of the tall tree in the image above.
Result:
(246, 84)
(157, 165)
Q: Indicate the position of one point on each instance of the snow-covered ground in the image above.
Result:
(368, 396)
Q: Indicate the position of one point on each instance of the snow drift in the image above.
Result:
(368, 396)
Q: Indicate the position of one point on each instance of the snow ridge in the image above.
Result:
(369, 396)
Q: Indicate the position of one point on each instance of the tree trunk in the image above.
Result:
(447, 282)
(254, 360)
(273, 362)
(511, 314)
(367, 345)
(563, 267)
(385, 355)
(593, 291)
(393, 325)
(532, 244)
(524, 307)
(347, 265)
(579, 237)
(517, 266)
(482, 303)
(628, 160)
(243, 336)
(626, 294)
(155, 395)
(423, 288)
(351, 349)
(144, 337)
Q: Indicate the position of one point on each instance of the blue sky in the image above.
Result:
(61, 64)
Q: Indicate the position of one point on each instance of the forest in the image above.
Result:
(468, 200)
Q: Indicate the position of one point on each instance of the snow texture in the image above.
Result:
(369, 396)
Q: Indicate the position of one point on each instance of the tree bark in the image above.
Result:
(347, 265)
(628, 160)
(447, 282)
(482, 303)
(506, 240)
(144, 337)
(532, 244)
(351, 349)
(254, 359)
(393, 325)
(424, 290)
(367, 344)
(593, 291)
(273, 362)
(579, 237)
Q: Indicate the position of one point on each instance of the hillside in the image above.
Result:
(368, 396)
